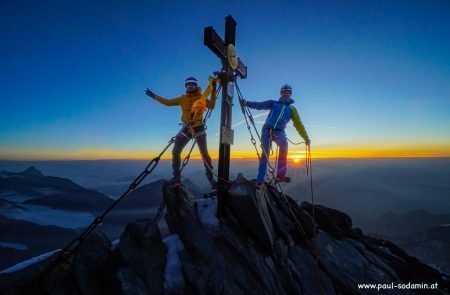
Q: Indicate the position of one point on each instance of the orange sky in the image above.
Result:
(380, 151)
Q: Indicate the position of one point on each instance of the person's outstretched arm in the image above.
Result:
(164, 101)
(264, 105)
(299, 125)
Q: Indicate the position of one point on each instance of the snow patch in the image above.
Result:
(16, 246)
(173, 276)
(14, 196)
(388, 251)
(206, 211)
(24, 264)
(47, 216)
(115, 244)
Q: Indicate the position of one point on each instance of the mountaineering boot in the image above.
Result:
(283, 178)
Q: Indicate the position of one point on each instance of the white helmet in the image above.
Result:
(190, 79)
(286, 87)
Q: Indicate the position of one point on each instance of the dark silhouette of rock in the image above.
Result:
(143, 251)
(130, 283)
(294, 254)
(249, 207)
(93, 266)
(150, 195)
(431, 246)
(334, 222)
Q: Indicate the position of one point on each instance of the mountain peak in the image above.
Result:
(32, 171)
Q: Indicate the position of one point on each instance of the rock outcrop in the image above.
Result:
(265, 243)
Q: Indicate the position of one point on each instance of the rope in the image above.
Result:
(294, 143)
(277, 153)
(309, 167)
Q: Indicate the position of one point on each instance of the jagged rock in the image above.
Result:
(93, 266)
(408, 268)
(290, 218)
(130, 283)
(230, 255)
(348, 264)
(143, 251)
(236, 256)
(334, 222)
(332, 261)
(312, 279)
(31, 279)
(249, 207)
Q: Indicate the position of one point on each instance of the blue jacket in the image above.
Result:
(280, 113)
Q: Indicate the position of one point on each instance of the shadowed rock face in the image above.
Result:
(265, 243)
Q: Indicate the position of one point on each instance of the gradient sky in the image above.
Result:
(370, 78)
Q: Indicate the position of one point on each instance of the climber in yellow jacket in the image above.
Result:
(193, 104)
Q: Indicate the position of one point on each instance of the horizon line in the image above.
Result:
(231, 158)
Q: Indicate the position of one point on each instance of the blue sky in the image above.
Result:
(365, 73)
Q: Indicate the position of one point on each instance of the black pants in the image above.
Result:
(182, 138)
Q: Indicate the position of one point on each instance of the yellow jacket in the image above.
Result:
(187, 100)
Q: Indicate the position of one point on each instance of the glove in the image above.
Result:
(150, 93)
(308, 141)
(212, 82)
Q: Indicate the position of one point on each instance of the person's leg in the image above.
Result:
(282, 156)
(203, 147)
(265, 142)
(181, 140)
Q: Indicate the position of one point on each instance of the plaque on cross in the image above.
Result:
(232, 67)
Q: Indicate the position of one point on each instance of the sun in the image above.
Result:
(296, 161)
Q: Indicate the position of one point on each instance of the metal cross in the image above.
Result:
(232, 67)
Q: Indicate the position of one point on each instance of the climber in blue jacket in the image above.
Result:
(281, 112)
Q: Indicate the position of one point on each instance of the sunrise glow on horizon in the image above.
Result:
(294, 155)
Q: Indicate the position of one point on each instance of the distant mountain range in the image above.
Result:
(33, 188)
(401, 225)
(39, 213)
